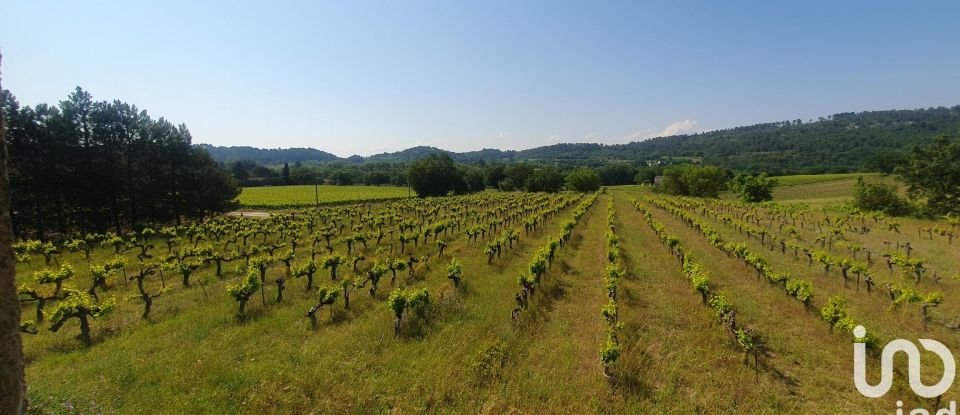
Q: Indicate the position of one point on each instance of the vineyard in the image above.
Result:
(268, 197)
(620, 301)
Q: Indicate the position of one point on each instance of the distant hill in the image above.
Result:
(267, 155)
(839, 143)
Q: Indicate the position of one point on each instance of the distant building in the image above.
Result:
(657, 180)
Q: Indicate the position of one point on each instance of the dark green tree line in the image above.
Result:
(87, 165)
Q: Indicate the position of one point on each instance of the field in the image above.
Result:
(543, 286)
(801, 179)
(826, 190)
(305, 195)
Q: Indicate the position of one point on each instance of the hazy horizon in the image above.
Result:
(366, 78)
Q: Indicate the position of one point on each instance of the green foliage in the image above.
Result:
(799, 289)
(435, 175)
(701, 284)
(402, 299)
(526, 281)
(47, 276)
(242, 290)
(753, 188)
(332, 262)
(610, 278)
(398, 301)
(693, 180)
(76, 301)
(609, 311)
(932, 173)
(839, 143)
(721, 307)
(96, 173)
(617, 173)
(545, 179)
(878, 197)
(835, 312)
(455, 271)
(747, 340)
(583, 180)
(538, 265)
(80, 305)
(304, 269)
(610, 350)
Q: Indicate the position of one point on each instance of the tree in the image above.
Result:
(617, 174)
(434, 175)
(493, 175)
(12, 390)
(691, 180)
(645, 175)
(88, 165)
(753, 188)
(932, 173)
(545, 179)
(878, 197)
(474, 180)
(515, 176)
(583, 180)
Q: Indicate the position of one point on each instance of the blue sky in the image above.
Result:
(366, 77)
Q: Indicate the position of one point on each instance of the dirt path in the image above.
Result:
(248, 214)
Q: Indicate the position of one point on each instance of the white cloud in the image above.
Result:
(502, 134)
(678, 127)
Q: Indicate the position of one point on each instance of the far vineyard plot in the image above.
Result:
(303, 196)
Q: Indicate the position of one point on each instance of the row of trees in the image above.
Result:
(86, 165)
(507, 176)
(249, 173)
(438, 175)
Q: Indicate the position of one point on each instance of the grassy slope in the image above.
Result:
(818, 178)
(818, 190)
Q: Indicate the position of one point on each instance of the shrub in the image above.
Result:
(878, 197)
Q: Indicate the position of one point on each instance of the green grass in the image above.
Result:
(306, 195)
(817, 178)
(813, 363)
(822, 190)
